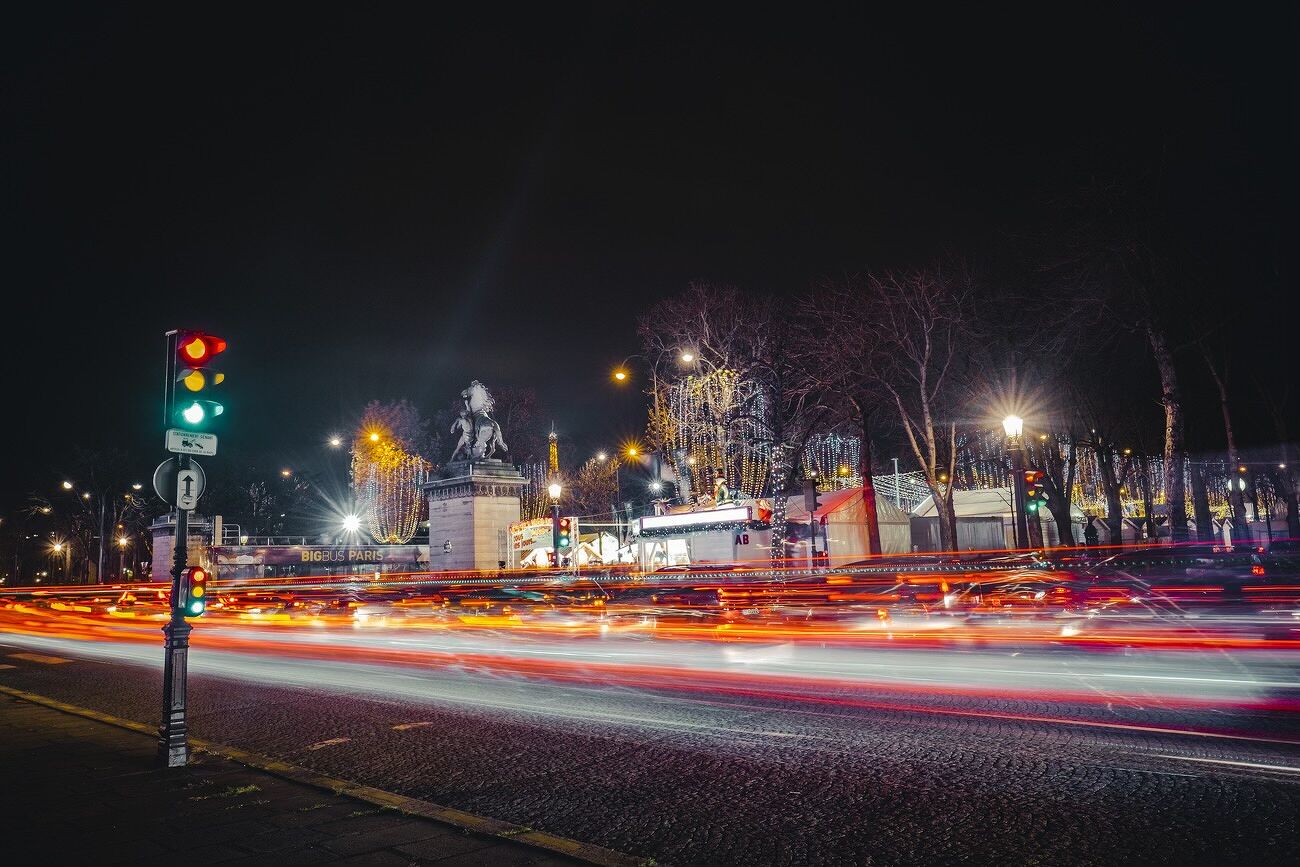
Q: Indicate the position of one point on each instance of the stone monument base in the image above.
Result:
(471, 507)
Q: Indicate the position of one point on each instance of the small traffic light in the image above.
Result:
(566, 533)
(1035, 495)
(194, 378)
(810, 492)
(194, 592)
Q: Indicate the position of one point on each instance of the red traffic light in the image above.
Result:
(194, 592)
(1032, 476)
(194, 348)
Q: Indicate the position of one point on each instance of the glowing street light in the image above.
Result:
(374, 437)
(351, 523)
(286, 473)
(85, 496)
(602, 457)
(122, 541)
(656, 486)
(632, 451)
(555, 489)
(335, 442)
(620, 375)
(688, 357)
(135, 486)
(1014, 425)
(67, 486)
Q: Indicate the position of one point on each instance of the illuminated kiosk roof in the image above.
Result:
(688, 521)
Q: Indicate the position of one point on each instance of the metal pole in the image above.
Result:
(555, 531)
(99, 569)
(173, 734)
(1018, 492)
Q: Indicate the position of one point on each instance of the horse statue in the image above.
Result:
(487, 438)
(480, 435)
(478, 399)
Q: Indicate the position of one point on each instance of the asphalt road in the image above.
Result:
(706, 769)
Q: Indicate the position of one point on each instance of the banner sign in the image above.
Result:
(321, 555)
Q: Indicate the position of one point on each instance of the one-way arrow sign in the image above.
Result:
(181, 488)
(189, 487)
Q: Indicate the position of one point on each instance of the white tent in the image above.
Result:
(842, 518)
(997, 503)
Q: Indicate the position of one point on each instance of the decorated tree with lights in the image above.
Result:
(389, 469)
(736, 399)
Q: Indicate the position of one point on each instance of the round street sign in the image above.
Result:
(180, 488)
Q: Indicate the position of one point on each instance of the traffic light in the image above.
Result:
(810, 492)
(192, 408)
(194, 591)
(566, 533)
(1035, 495)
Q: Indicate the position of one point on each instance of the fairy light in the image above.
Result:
(714, 421)
(390, 483)
(836, 458)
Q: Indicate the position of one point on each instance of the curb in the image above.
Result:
(588, 852)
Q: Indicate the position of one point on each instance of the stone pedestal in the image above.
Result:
(471, 508)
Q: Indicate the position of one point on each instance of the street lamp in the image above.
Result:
(286, 473)
(555, 490)
(351, 523)
(687, 357)
(67, 486)
(620, 375)
(1014, 425)
(335, 442)
(602, 457)
(135, 486)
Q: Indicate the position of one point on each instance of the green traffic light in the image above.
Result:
(197, 412)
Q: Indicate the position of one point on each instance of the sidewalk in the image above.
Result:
(74, 790)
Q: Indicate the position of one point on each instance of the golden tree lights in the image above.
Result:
(388, 480)
(714, 420)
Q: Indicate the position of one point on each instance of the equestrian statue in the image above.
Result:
(480, 435)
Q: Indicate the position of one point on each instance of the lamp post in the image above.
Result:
(555, 490)
(1014, 427)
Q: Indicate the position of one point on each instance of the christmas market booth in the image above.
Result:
(740, 532)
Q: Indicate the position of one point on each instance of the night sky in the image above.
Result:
(373, 206)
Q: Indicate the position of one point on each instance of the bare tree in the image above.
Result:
(710, 328)
(1118, 249)
(921, 332)
(839, 345)
(594, 489)
(1237, 506)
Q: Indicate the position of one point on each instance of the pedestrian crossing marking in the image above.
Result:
(38, 657)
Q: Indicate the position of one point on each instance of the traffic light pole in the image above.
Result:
(173, 735)
(1017, 451)
(555, 532)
